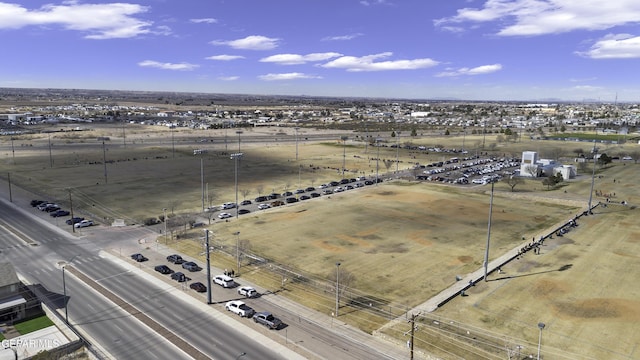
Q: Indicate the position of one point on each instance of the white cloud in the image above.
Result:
(229, 78)
(373, 2)
(168, 66)
(99, 21)
(253, 42)
(295, 59)
(368, 63)
(342, 37)
(204, 20)
(539, 17)
(587, 88)
(287, 76)
(225, 57)
(478, 70)
(618, 46)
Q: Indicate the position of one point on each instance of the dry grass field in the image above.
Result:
(402, 241)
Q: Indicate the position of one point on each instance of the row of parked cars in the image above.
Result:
(54, 210)
(236, 306)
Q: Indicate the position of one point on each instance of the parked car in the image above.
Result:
(52, 207)
(74, 220)
(245, 202)
(267, 319)
(243, 211)
(260, 199)
(191, 266)
(224, 215)
(179, 277)
(338, 189)
(59, 213)
(139, 257)
(247, 291)
(224, 281)
(264, 206)
(35, 203)
(228, 205)
(43, 205)
(83, 223)
(291, 200)
(310, 189)
(315, 195)
(240, 308)
(287, 194)
(175, 258)
(305, 197)
(163, 269)
(198, 286)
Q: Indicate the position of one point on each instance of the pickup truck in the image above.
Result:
(240, 308)
(267, 319)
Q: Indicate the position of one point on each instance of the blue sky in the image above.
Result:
(420, 49)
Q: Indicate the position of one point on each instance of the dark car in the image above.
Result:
(179, 277)
(305, 197)
(291, 200)
(245, 202)
(59, 213)
(139, 257)
(287, 193)
(35, 203)
(175, 258)
(243, 211)
(191, 266)
(74, 220)
(310, 189)
(277, 203)
(368, 182)
(198, 286)
(274, 196)
(260, 199)
(345, 181)
(52, 208)
(315, 195)
(163, 269)
(334, 183)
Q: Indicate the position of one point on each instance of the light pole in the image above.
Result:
(377, 159)
(64, 290)
(238, 132)
(593, 175)
(464, 134)
(202, 180)
(164, 214)
(296, 129)
(237, 234)
(344, 152)
(337, 287)
(540, 326)
(236, 157)
(397, 149)
(206, 234)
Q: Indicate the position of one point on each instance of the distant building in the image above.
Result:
(532, 166)
(12, 303)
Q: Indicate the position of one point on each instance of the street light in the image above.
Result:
(593, 175)
(377, 159)
(164, 214)
(206, 234)
(64, 290)
(540, 326)
(238, 132)
(237, 234)
(337, 287)
(397, 149)
(344, 152)
(236, 157)
(296, 129)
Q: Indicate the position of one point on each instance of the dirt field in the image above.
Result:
(403, 241)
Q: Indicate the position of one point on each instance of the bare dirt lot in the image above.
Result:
(402, 241)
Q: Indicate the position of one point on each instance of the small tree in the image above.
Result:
(532, 170)
(512, 181)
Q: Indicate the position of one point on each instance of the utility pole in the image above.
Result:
(486, 254)
(412, 332)
(9, 180)
(104, 161)
(73, 226)
(206, 232)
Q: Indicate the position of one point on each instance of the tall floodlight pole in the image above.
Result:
(366, 140)
(337, 287)
(104, 160)
(236, 157)
(541, 327)
(239, 132)
(464, 134)
(484, 132)
(202, 180)
(593, 174)
(296, 129)
(9, 181)
(377, 159)
(164, 214)
(173, 143)
(73, 226)
(397, 150)
(206, 243)
(50, 155)
(13, 152)
(344, 153)
(486, 254)
(237, 234)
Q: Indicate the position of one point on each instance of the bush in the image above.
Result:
(151, 221)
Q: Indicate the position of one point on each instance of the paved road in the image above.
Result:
(162, 299)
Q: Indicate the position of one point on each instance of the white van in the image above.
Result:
(224, 281)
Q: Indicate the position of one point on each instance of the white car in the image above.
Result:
(83, 223)
(224, 281)
(264, 206)
(247, 291)
(338, 189)
(228, 205)
(240, 308)
(224, 215)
